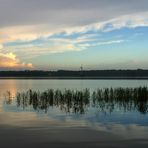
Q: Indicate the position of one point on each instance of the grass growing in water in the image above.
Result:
(75, 101)
(68, 100)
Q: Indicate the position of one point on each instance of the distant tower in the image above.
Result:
(81, 70)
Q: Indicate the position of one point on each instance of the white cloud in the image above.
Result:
(26, 33)
(86, 45)
(110, 42)
(23, 36)
(29, 51)
(57, 45)
(9, 60)
(129, 21)
(1, 46)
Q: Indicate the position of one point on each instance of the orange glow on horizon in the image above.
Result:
(9, 60)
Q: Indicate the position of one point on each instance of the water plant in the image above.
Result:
(78, 101)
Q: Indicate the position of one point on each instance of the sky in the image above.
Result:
(65, 34)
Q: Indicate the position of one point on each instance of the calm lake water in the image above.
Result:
(130, 123)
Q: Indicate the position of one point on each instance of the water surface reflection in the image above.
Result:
(75, 101)
(114, 115)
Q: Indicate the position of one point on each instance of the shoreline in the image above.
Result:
(80, 78)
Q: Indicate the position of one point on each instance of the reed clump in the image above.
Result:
(126, 99)
(67, 100)
(78, 101)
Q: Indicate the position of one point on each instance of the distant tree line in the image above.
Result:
(68, 73)
(25, 73)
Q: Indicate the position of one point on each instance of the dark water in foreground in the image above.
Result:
(118, 108)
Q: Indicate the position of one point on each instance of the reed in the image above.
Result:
(68, 100)
(78, 101)
(127, 99)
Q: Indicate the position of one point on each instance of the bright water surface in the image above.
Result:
(131, 124)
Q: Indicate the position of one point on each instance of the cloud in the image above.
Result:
(31, 42)
(110, 42)
(129, 21)
(30, 28)
(9, 60)
(1, 46)
(35, 40)
(86, 45)
(32, 32)
(66, 12)
(31, 50)
(125, 21)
